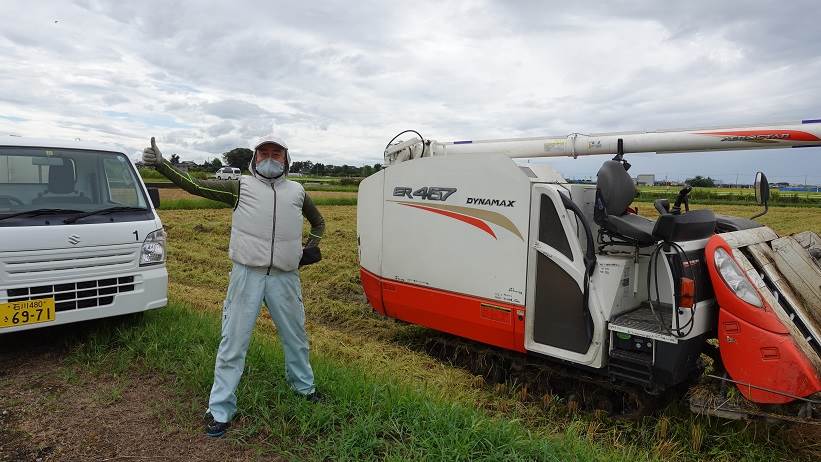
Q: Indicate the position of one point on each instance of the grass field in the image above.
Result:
(367, 415)
(784, 220)
(730, 196)
(177, 199)
(388, 400)
(178, 194)
(311, 183)
(747, 192)
(704, 196)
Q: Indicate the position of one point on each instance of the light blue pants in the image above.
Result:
(283, 296)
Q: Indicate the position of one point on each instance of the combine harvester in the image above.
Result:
(566, 285)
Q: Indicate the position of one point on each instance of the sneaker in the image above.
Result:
(315, 397)
(216, 429)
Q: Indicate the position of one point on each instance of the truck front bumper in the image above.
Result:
(147, 290)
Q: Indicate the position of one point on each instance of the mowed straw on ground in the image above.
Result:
(343, 326)
(346, 337)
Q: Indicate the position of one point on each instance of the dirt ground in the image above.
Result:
(53, 411)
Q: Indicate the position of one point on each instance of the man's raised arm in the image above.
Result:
(219, 190)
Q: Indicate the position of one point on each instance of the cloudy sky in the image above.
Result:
(338, 79)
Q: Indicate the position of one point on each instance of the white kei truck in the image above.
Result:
(79, 236)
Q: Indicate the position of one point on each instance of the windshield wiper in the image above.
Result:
(36, 212)
(118, 208)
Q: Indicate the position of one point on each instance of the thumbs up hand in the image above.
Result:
(152, 154)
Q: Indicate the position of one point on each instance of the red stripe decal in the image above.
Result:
(792, 135)
(469, 220)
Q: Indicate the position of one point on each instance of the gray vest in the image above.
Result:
(266, 228)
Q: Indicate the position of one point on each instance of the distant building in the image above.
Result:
(802, 188)
(646, 179)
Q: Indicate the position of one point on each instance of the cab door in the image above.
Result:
(558, 321)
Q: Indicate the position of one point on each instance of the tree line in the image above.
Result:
(241, 158)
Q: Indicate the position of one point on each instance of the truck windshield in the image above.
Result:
(67, 181)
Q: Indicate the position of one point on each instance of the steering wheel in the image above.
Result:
(683, 197)
(12, 199)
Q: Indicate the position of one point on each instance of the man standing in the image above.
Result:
(266, 248)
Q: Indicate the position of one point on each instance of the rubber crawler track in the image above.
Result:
(541, 379)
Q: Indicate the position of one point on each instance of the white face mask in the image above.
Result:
(269, 168)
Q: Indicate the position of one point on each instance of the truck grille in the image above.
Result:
(18, 267)
(76, 295)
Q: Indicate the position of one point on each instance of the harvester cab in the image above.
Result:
(459, 238)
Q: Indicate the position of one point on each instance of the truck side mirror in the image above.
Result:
(762, 192)
(154, 194)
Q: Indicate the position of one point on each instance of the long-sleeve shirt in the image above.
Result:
(227, 191)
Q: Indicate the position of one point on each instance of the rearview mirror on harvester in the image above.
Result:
(762, 192)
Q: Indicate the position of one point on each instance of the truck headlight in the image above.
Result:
(153, 251)
(735, 278)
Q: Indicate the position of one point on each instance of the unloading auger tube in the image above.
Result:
(806, 133)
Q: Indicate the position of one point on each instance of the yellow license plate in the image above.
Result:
(26, 312)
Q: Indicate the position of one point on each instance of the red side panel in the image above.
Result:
(765, 359)
(519, 329)
(756, 348)
(373, 290)
(487, 321)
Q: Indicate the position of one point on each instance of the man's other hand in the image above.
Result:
(152, 154)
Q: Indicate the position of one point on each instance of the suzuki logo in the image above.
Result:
(74, 239)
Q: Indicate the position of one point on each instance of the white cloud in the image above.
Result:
(338, 79)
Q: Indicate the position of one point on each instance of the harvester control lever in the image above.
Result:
(662, 206)
(683, 197)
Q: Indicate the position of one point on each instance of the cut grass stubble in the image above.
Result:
(366, 416)
(386, 398)
(343, 327)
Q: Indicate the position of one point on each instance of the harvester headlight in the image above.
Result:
(153, 251)
(735, 278)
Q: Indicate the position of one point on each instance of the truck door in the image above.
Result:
(558, 321)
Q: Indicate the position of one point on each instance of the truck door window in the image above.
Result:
(122, 186)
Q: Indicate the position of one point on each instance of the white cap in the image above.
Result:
(270, 139)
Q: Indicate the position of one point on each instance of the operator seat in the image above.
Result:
(615, 191)
(61, 183)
